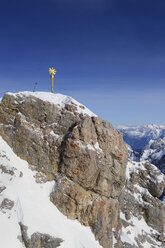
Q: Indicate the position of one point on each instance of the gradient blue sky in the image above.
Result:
(109, 54)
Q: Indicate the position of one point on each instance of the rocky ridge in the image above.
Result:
(87, 158)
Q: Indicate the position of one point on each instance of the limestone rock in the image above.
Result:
(38, 240)
(6, 204)
(90, 208)
(94, 156)
(84, 154)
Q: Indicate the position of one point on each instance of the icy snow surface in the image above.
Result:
(57, 99)
(33, 208)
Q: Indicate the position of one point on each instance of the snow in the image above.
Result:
(57, 99)
(125, 237)
(159, 154)
(154, 151)
(88, 146)
(132, 167)
(137, 227)
(114, 241)
(97, 147)
(139, 166)
(146, 143)
(33, 208)
(54, 134)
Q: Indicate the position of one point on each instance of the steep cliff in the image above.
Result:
(64, 141)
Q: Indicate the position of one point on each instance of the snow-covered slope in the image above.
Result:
(23, 200)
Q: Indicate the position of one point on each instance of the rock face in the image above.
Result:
(87, 158)
(84, 154)
(142, 213)
(86, 149)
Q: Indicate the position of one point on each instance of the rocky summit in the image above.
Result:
(86, 158)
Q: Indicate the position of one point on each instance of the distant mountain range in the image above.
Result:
(138, 137)
(146, 143)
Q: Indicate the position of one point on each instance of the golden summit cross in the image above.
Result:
(52, 72)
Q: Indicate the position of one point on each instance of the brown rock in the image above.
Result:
(90, 209)
(85, 155)
(95, 157)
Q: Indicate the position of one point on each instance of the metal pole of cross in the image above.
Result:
(52, 72)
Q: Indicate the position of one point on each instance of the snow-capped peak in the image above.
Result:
(57, 99)
(147, 143)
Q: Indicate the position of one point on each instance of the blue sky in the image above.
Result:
(109, 54)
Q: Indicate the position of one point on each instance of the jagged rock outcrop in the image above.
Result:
(84, 154)
(142, 213)
(38, 239)
(87, 158)
(86, 149)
